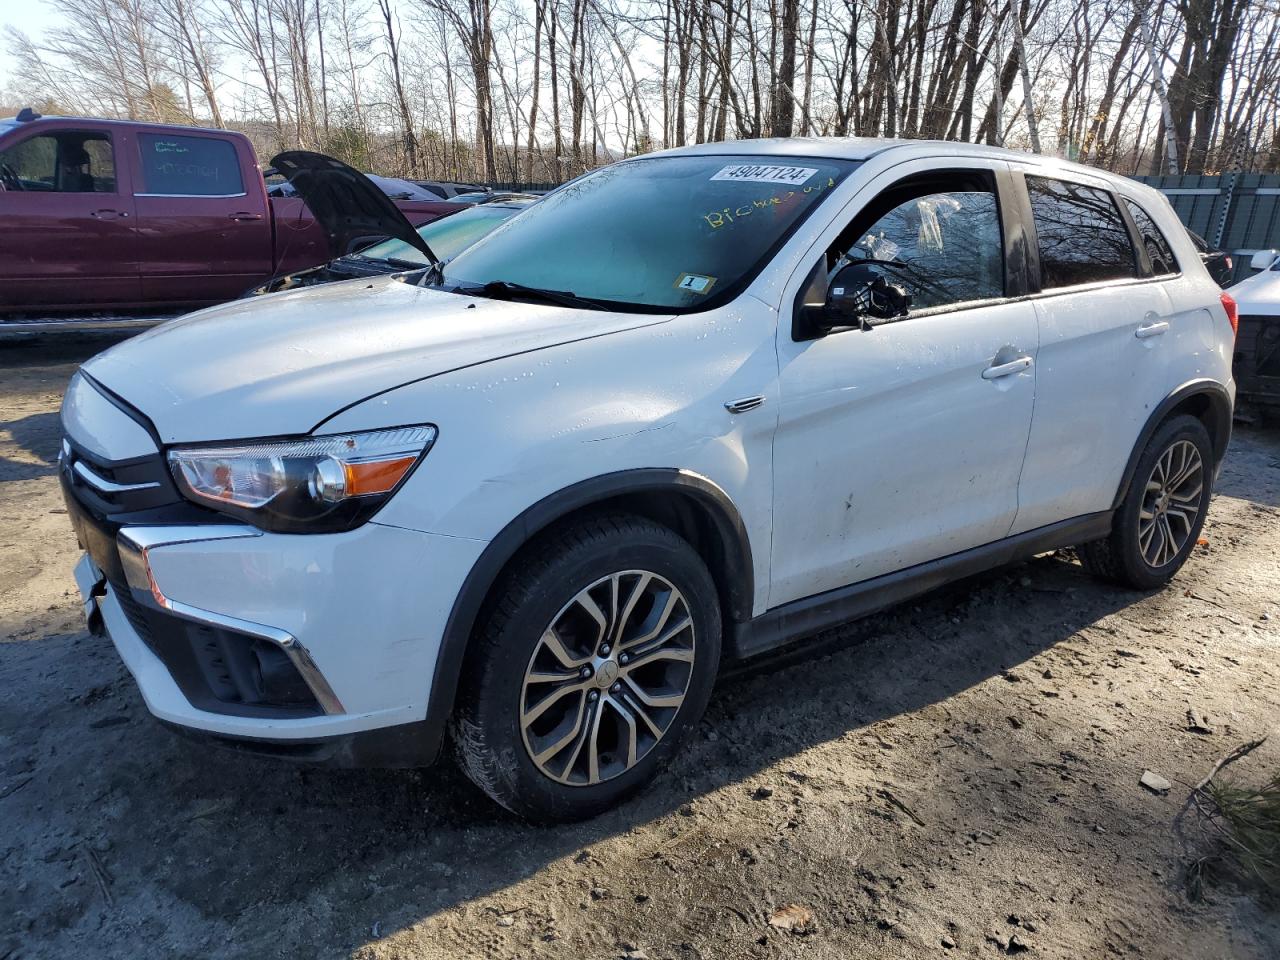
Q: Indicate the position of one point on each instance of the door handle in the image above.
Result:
(245, 216)
(1151, 329)
(744, 404)
(108, 214)
(999, 370)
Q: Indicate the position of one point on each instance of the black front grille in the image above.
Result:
(92, 479)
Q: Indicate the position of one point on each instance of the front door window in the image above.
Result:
(65, 162)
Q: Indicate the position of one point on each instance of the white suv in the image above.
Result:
(683, 410)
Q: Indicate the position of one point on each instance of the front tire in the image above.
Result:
(595, 659)
(1160, 519)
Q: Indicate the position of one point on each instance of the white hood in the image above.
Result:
(1259, 294)
(269, 366)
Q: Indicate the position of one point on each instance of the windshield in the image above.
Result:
(669, 234)
(447, 237)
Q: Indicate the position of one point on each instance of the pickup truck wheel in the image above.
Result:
(1158, 523)
(597, 657)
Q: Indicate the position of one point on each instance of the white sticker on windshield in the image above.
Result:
(694, 283)
(766, 173)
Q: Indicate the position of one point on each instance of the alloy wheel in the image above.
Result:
(607, 678)
(1171, 503)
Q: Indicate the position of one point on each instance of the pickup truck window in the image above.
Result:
(657, 234)
(175, 166)
(65, 162)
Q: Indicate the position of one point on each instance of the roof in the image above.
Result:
(10, 122)
(864, 148)
(841, 148)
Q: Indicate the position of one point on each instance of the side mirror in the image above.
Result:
(1263, 259)
(860, 292)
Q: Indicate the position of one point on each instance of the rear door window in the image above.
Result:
(1163, 262)
(1080, 233)
(189, 166)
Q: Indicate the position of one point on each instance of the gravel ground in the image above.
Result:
(959, 776)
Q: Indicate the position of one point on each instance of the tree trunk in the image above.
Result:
(783, 108)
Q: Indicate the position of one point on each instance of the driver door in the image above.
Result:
(902, 441)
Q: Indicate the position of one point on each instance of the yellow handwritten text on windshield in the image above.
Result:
(719, 218)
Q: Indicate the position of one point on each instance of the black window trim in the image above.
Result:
(1013, 238)
(1141, 264)
(56, 133)
(195, 135)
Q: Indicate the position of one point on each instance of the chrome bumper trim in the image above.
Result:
(135, 542)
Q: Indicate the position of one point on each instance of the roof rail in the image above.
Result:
(26, 115)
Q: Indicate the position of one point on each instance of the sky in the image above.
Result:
(33, 18)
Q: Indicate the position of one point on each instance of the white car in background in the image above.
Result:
(1257, 353)
(683, 410)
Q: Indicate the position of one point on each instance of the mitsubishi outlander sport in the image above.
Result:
(687, 408)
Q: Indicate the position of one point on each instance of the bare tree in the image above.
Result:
(527, 88)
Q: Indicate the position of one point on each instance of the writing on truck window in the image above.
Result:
(191, 166)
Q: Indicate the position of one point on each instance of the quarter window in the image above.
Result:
(69, 162)
(1163, 262)
(189, 166)
(1081, 236)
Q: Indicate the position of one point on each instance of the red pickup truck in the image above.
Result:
(115, 215)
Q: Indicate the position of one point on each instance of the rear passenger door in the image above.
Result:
(204, 230)
(1104, 323)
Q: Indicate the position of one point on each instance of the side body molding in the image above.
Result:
(697, 491)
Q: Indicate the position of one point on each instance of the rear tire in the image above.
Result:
(595, 659)
(1160, 519)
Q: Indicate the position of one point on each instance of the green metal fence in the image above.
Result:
(1237, 212)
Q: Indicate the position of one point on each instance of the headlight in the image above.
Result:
(302, 486)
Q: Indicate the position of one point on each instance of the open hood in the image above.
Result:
(347, 204)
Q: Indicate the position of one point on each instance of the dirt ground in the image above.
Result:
(935, 781)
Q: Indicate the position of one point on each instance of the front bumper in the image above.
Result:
(360, 615)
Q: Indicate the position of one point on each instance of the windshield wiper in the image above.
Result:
(563, 298)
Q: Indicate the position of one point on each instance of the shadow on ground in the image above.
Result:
(210, 853)
(217, 831)
(39, 436)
